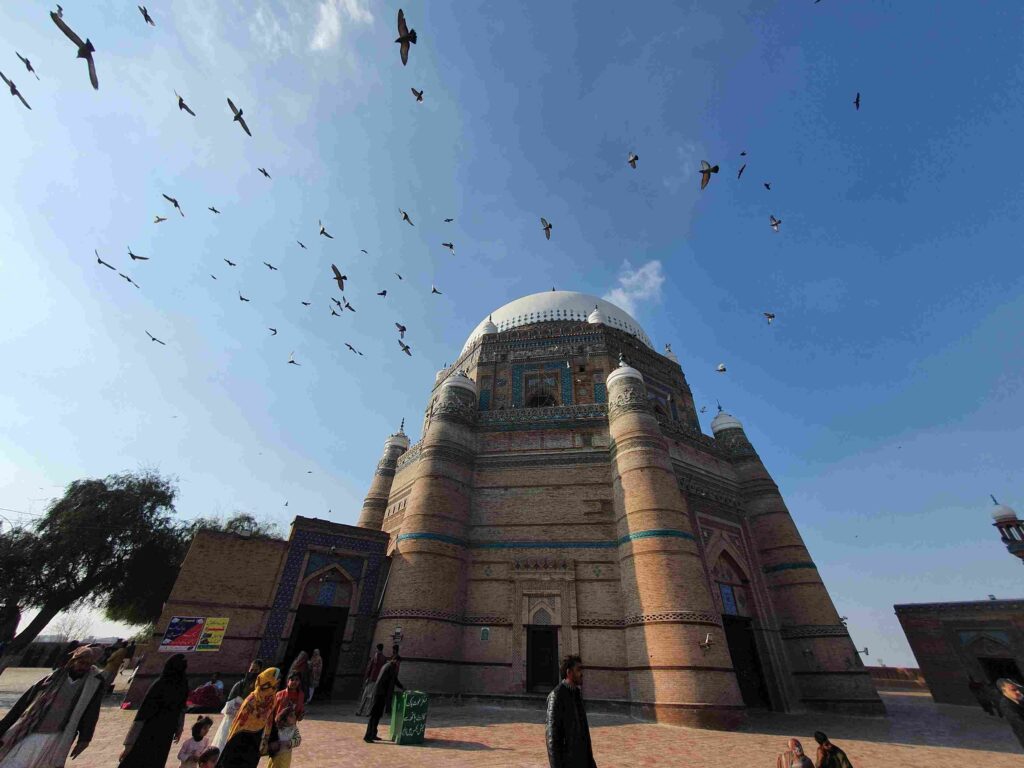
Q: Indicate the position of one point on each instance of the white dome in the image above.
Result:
(1002, 513)
(557, 305)
(724, 421)
(623, 371)
(595, 317)
(489, 327)
(460, 379)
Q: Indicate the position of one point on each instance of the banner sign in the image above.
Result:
(186, 634)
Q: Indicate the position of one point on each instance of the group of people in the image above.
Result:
(828, 755)
(379, 683)
(1005, 698)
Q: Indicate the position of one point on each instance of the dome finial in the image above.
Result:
(991, 496)
(401, 427)
(719, 406)
(622, 361)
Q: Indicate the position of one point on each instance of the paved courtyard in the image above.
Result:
(917, 733)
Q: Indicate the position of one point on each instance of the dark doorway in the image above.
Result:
(742, 648)
(996, 668)
(317, 626)
(541, 658)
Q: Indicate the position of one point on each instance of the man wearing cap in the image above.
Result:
(58, 711)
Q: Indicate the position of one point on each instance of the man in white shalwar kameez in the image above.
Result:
(60, 710)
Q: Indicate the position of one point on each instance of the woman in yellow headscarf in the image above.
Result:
(251, 727)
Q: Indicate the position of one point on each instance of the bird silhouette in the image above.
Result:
(546, 226)
(405, 217)
(398, 276)
(347, 305)
(323, 231)
(213, 209)
(238, 118)
(306, 303)
(382, 293)
(405, 36)
(339, 278)
(146, 17)
(720, 368)
(174, 202)
(85, 50)
(353, 349)
(273, 331)
(417, 94)
(14, 90)
(774, 223)
(856, 101)
(182, 106)
(363, 250)
(434, 290)
(241, 297)
(769, 316)
(703, 409)
(154, 338)
(214, 277)
(633, 157)
(405, 347)
(264, 172)
(333, 313)
(101, 261)
(448, 221)
(291, 361)
(742, 169)
(230, 263)
(768, 186)
(136, 257)
(27, 63)
(705, 172)
(159, 219)
(128, 279)
(743, 153)
(401, 330)
(301, 245)
(450, 247)
(271, 267)
(338, 303)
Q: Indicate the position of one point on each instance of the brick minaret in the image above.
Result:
(429, 559)
(829, 672)
(376, 501)
(669, 611)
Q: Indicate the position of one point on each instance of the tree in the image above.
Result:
(72, 624)
(88, 541)
(240, 522)
(17, 555)
(148, 577)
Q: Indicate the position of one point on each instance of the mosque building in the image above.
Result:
(563, 499)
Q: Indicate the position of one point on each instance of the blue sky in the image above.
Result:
(886, 398)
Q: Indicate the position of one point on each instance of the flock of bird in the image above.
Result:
(406, 38)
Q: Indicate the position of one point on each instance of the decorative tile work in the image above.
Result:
(565, 381)
(432, 537)
(327, 592)
(317, 560)
(656, 533)
(543, 544)
(485, 400)
(542, 460)
(554, 417)
(600, 392)
(787, 567)
(676, 617)
(814, 630)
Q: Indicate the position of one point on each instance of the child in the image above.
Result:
(284, 737)
(194, 747)
(209, 758)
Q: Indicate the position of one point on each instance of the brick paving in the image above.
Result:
(917, 733)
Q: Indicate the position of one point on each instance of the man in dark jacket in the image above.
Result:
(386, 682)
(568, 734)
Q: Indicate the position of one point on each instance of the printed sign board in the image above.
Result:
(186, 634)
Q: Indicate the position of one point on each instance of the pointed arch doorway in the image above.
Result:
(324, 605)
(737, 610)
(541, 653)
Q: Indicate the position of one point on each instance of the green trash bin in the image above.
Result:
(408, 717)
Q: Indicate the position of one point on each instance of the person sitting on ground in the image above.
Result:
(829, 755)
(218, 683)
(1011, 705)
(284, 737)
(292, 694)
(793, 756)
(206, 698)
(193, 748)
(209, 758)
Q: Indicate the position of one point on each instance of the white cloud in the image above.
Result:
(267, 30)
(330, 16)
(688, 155)
(636, 285)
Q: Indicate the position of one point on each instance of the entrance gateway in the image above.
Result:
(541, 659)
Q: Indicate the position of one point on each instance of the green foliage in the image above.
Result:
(240, 522)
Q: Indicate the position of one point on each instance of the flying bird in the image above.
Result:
(101, 261)
(174, 202)
(703, 409)
(14, 90)
(338, 303)
(301, 245)
(238, 117)
(856, 101)
(768, 186)
(347, 305)
(720, 368)
(405, 217)
(230, 263)
(363, 250)
(159, 219)
(339, 278)
(213, 209)
(405, 347)
(271, 267)
(434, 290)
(743, 153)
(769, 316)
(398, 276)
(705, 172)
(382, 293)
(146, 17)
(353, 349)
(306, 303)
(273, 331)
(264, 172)
(154, 338)
(405, 36)
(633, 157)
(136, 257)
(742, 169)
(333, 313)
(183, 106)
(85, 50)
(323, 231)
(417, 94)
(291, 361)
(27, 63)
(448, 221)
(450, 247)
(241, 297)
(128, 279)
(546, 226)
(774, 223)
(214, 277)
(401, 330)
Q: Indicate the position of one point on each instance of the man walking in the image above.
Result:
(373, 668)
(568, 734)
(386, 682)
(829, 755)
(59, 710)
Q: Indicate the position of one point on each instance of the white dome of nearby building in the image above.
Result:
(1002, 513)
(555, 306)
(723, 421)
(595, 317)
(623, 371)
(460, 379)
